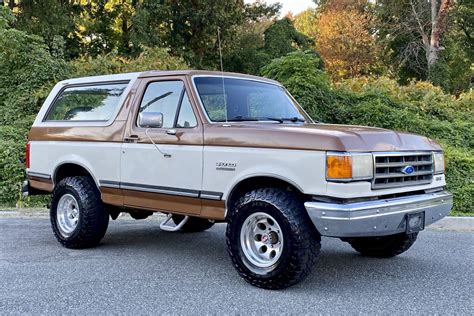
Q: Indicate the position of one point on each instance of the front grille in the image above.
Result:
(388, 169)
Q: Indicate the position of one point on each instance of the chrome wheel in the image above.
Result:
(261, 239)
(67, 214)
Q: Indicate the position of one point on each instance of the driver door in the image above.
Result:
(161, 168)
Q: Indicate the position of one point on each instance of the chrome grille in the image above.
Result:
(388, 169)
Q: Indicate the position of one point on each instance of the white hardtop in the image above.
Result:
(104, 78)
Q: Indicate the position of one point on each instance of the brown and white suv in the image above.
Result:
(206, 147)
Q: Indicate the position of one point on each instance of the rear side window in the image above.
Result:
(87, 103)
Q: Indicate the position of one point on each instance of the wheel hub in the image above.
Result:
(67, 214)
(261, 239)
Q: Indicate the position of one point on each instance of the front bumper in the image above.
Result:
(379, 217)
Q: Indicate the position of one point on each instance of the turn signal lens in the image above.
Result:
(439, 163)
(339, 167)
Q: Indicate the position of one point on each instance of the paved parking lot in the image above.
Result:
(140, 269)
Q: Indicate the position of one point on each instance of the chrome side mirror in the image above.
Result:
(150, 119)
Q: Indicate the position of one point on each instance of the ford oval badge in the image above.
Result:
(408, 170)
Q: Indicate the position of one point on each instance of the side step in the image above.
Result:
(170, 228)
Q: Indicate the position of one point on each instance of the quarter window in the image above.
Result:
(169, 98)
(186, 118)
(87, 103)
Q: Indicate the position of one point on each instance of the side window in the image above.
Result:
(164, 97)
(87, 103)
(186, 117)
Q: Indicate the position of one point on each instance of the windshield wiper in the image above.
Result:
(254, 119)
(294, 119)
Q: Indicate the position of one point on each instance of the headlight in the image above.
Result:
(438, 162)
(346, 167)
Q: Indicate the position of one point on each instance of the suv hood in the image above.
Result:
(314, 137)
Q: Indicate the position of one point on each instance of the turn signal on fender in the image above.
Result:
(339, 167)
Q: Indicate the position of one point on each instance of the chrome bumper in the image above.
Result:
(379, 217)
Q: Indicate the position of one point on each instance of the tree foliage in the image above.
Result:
(260, 42)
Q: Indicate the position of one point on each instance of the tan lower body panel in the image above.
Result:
(157, 202)
(41, 184)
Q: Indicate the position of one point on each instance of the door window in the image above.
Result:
(169, 98)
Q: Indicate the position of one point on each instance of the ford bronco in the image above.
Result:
(206, 147)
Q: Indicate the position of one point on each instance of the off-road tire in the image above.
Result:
(193, 225)
(383, 247)
(302, 241)
(93, 217)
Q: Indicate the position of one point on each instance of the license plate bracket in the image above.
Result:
(415, 222)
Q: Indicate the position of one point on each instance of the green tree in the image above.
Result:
(259, 42)
(282, 38)
(246, 54)
(189, 28)
(53, 20)
(306, 23)
(6, 17)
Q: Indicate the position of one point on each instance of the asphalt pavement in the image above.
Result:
(140, 269)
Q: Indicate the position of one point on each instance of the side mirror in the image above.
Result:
(150, 119)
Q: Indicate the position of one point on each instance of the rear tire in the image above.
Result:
(193, 225)
(383, 247)
(78, 217)
(270, 238)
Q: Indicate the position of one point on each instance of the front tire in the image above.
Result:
(383, 247)
(78, 217)
(271, 239)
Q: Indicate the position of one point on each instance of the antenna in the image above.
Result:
(222, 71)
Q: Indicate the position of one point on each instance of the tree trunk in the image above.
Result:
(438, 26)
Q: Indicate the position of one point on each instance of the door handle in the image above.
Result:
(131, 139)
(171, 132)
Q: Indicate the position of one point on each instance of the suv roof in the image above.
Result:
(161, 73)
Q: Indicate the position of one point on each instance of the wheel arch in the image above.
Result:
(259, 181)
(72, 168)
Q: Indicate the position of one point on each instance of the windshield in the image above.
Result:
(231, 99)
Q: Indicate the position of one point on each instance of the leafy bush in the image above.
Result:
(149, 59)
(418, 107)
